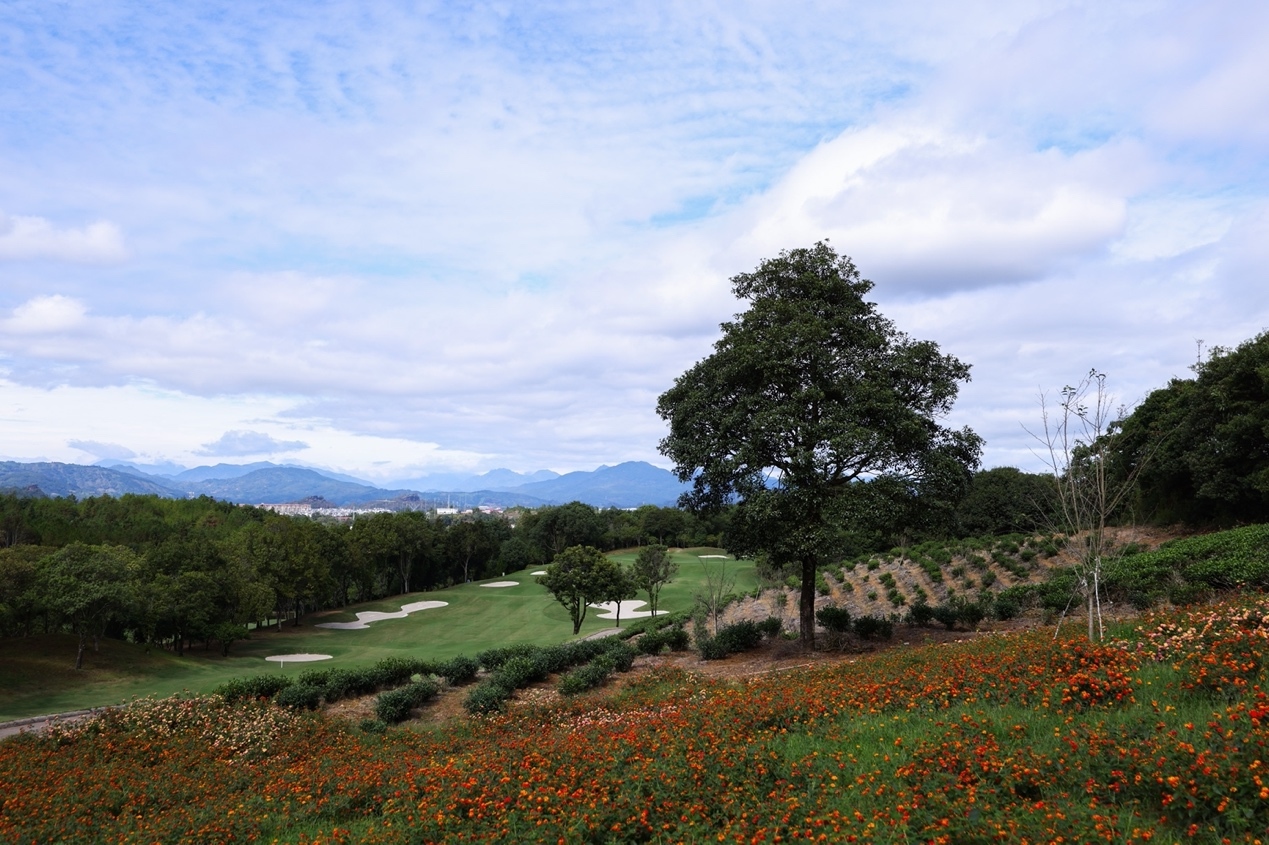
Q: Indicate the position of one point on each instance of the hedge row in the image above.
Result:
(516, 667)
(312, 687)
(737, 637)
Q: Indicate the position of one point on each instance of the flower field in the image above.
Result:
(1159, 736)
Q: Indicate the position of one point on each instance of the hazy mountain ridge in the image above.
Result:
(58, 479)
(626, 485)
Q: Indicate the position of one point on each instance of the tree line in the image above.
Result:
(173, 573)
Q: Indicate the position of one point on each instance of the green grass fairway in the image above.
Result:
(37, 674)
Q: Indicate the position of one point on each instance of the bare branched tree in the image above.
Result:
(1077, 444)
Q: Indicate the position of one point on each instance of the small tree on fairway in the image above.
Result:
(581, 575)
(653, 568)
(817, 416)
(624, 588)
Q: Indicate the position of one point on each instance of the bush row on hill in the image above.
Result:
(516, 667)
(310, 688)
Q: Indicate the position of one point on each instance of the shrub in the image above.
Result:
(394, 706)
(584, 678)
(1006, 606)
(947, 615)
(971, 613)
(255, 687)
(821, 584)
(771, 626)
(300, 696)
(519, 672)
(315, 678)
(489, 697)
(921, 614)
(653, 642)
(619, 654)
(740, 636)
(677, 638)
(835, 619)
(874, 627)
(1183, 595)
(495, 657)
(711, 649)
(458, 670)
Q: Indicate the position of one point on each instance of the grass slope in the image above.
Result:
(1158, 736)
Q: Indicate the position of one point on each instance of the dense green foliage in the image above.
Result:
(1005, 500)
(1202, 444)
(205, 571)
(1182, 570)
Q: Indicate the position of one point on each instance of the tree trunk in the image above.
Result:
(79, 655)
(806, 607)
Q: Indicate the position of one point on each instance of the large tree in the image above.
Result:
(817, 415)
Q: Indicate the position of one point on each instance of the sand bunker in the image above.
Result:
(365, 617)
(539, 572)
(712, 557)
(297, 658)
(502, 584)
(628, 610)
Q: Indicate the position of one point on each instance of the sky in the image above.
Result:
(400, 238)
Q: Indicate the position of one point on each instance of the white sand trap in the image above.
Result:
(365, 617)
(628, 610)
(539, 572)
(712, 557)
(502, 584)
(297, 658)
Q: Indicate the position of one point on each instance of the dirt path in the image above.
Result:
(37, 724)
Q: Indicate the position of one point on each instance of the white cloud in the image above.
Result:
(102, 450)
(44, 315)
(922, 208)
(35, 237)
(236, 444)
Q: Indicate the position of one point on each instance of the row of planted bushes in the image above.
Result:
(837, 620)
(515, 667)
(310, 688)
(738, 637)
(1186, 570)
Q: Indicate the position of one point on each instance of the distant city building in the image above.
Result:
(447, 511)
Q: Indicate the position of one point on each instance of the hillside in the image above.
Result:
(58, 479)
(1014, 738)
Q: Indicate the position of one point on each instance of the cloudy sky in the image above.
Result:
(400, 238)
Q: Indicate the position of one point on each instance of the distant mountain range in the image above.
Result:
(626, 485)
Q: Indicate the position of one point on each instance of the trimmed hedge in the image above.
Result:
(394, 706)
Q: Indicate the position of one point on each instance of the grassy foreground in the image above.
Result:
(37, 674)
(1158, 736)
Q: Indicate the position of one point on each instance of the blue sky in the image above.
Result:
(399, 238)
